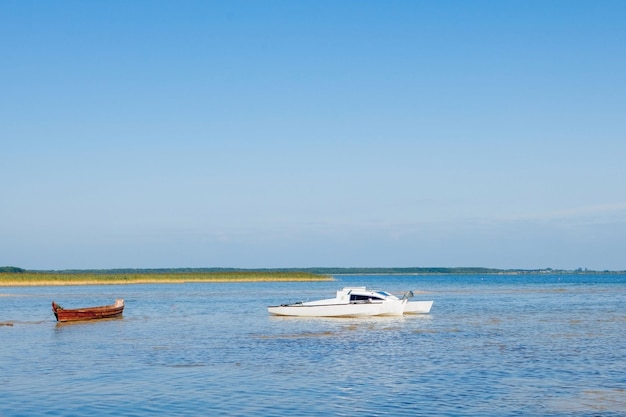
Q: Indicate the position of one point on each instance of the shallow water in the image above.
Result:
(540, 345)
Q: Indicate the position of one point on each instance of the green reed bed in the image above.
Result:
(55, 278)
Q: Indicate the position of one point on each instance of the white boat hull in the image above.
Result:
(418, 307)
(360, 309)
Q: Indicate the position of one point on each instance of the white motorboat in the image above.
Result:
(352, 302)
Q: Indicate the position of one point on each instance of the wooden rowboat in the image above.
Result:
(88, 313)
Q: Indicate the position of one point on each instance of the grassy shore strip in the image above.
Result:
(54, 279)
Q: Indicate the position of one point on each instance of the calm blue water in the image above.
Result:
(492, 345)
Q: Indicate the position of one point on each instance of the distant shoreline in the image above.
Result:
(14, 277)
(24, 279)
(313, 270)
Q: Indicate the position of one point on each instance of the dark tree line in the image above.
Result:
(11, 269)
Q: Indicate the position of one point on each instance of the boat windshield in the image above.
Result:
(363, 297)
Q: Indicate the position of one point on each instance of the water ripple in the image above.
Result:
(196, 349)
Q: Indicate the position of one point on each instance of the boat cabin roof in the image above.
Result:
(362, 293)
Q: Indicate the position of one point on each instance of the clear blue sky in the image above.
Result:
(148, 134)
